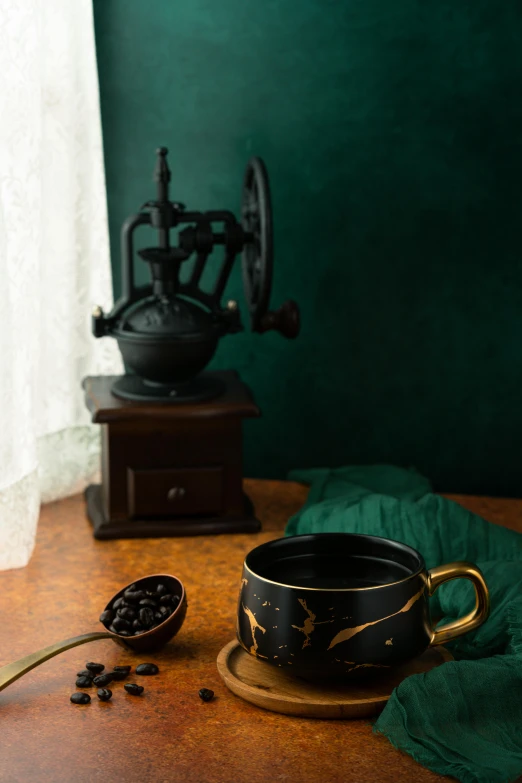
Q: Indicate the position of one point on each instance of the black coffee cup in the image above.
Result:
(339, 604)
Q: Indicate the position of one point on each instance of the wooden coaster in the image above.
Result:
(271, 688)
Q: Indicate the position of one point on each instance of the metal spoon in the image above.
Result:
(146, 642)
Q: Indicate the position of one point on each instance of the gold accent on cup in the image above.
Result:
(458, 570)
(347, 633)
(254, 625)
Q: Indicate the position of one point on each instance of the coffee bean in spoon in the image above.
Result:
(104, 694)
(146, 616)
(106, 617)
(84, 682)
(149, 602)
(133, 689)
(80, 698)
(134, 596)
(95, 668)
(161, 590)
(120, 623)
(147, 669)
(102, 680)
(117, 603)
(127, 613)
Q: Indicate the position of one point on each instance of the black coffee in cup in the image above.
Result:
(335, 571)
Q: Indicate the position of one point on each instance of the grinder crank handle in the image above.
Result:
(286, 320)
(12, 671)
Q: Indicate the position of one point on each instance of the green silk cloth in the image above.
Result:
(464, 718)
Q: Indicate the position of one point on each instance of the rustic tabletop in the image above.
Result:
(168, 734)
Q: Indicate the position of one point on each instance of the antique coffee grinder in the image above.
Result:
(171, 431)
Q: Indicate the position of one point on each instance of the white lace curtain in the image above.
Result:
(54, 260)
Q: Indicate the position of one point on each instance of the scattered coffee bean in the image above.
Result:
(84, 682)
(104, 694)
(125, 669)
(102, 680)
(206, 694)
(133, 689)
(126, 613)
(85, 673)
(147, 616)
(107, 617)
(80, 698)
(95, 668)
(118, 602)
(147, 668)
(118, 676)
(149, 602)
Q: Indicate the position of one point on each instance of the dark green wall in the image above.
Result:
(392, 132)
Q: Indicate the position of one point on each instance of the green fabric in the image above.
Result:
(464, 718)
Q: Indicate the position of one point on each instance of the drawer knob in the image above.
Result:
(176, 492)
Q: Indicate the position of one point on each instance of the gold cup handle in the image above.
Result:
(477, 616)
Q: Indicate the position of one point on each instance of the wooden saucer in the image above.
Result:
(271, 688)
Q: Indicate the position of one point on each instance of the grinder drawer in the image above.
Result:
(174, 492)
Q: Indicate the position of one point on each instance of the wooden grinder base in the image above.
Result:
(273, 689)
(170, 470)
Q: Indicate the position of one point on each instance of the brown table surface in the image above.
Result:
(169, 734)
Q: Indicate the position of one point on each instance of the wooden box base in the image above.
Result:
(153, 528)
(170, 470)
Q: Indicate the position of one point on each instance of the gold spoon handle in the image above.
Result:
(12, 671)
